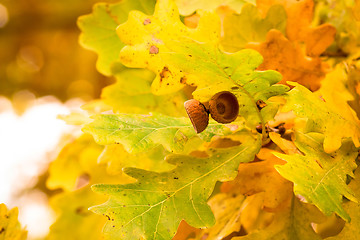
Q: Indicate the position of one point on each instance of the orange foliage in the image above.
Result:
(288, 58)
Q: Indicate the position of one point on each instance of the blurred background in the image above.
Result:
(43, 73)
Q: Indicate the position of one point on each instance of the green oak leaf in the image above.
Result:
(10, 227)
(318, 176)
(187, 7)
(153, 207)
(99, 30)
(180, 55)
(322, 117)
(132, 94)
(249, 26)
(139, 133)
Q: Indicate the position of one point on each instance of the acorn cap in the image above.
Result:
(224, 107)
(198, 115)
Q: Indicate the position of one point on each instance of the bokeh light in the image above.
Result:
(27, 145)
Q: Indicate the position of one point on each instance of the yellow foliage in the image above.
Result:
(9, 225)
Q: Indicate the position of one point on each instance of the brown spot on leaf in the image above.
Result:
(260, 104)
(147, 21)
(2, 230)
(165, 73)
(154, 50)
(183, 80)
(82, 211)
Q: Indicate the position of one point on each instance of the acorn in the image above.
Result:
(224, 107)
(198, 114)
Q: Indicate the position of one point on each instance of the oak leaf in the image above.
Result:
(344, 16)
(116, 158)
(132, 94)
(318, 39)
(292, 223)
(99, 30)
(138, 132)
(338, 93)
(298, 27)
(227, 209)
(318, 176)
(351, 231)
(299, 15)
(154, 206)
(323, 118)
(247, 202)
(249, 26)
(287, 57)
(75, 170)
(179, 55)
(187, 7)
(74, 218)
(10, 227)
(73, 160)
(261, 176)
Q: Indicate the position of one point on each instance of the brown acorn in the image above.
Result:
(198, 114)
(224, 107)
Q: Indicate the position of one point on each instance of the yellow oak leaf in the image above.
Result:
(74, 219)
(356, 10)
(321, 117)
(75, 170)
(117, 158)
(227, 208)
(132, 94)
(294, 222)
(344, 16)
(287, 57)
(336, 93)
(179, 55)
(236, 215)
(351, 231)
(352, 82)
(152, 40)
(73, 160)
(187, 7)
(285, 145)
(9, 225)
